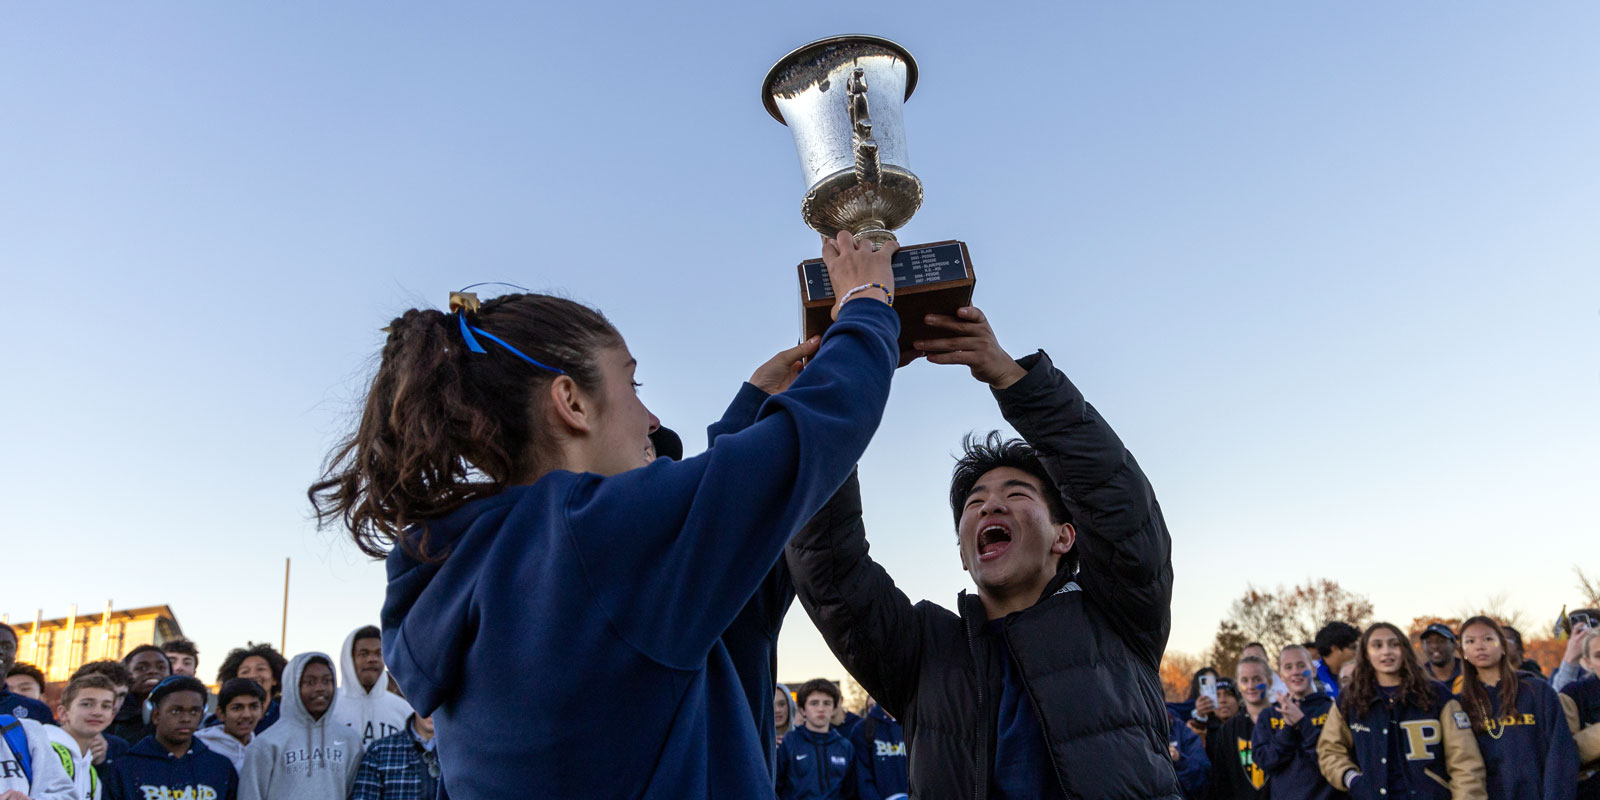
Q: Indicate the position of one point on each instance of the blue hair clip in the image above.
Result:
(462, 302)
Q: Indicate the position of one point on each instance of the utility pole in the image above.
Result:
(283, 633)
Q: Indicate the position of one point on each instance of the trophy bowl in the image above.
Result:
(842, 99)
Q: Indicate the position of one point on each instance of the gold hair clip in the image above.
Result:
(467, 301)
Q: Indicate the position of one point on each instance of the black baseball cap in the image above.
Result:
(1439, 629)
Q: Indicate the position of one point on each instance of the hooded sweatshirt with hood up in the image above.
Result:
(376, 712)
(301, 758)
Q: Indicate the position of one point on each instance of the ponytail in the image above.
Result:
(443, 425)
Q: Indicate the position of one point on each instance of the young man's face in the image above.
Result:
(1514, 651)
(1438, 650)
(257, 669)
(183, 664)
(8, 650)
(316, 688)
(1591, 652)
(1347, 672)
(1294, 668)
(177, 716)
(1339, 656)
(89, 714)
(1006, 538)
(122, 695)
(240, 715)
(818, 711)
(149, 668)
(25, 685)
(368, 657)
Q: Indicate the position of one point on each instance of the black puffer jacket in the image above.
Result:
(1089, 652)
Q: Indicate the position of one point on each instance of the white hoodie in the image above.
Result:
(300, 758)
(376, 712)
(86, 782)
(50, 781)
(222, 743)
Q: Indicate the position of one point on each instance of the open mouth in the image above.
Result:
(993, 539)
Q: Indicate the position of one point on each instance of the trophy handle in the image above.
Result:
(868, 169)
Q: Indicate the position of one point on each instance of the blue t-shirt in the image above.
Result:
(1022, 766)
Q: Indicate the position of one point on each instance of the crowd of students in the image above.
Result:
(538, 520)
(1360, 714)
(145, 728)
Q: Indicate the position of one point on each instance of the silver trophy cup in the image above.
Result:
(842, 97)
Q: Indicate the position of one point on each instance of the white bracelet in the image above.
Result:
(888, 295)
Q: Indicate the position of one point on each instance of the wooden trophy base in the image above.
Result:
(931, 278)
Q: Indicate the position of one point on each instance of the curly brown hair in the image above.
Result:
(1416, 691)
(235, 659)
(1474, 698)
(444, 425)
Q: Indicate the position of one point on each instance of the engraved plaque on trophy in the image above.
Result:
(842, 99)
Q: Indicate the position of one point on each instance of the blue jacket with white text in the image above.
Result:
(148, 770)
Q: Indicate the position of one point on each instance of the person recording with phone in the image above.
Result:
(1575, 663)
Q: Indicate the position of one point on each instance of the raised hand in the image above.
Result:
(1289, 707)
(775, 376)
(974, 346)
(1575, 643)
(851, 265)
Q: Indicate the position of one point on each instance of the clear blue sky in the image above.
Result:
(1330, 269)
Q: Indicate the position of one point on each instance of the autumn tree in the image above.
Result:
(1420, 624)
(1498, 608)
(854, 696)
(1588, 588)
(1177, 672)
(1280, 617)
(1227, 646)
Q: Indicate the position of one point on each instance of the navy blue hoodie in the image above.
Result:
(752, 639)
(582, 597)
(24, 707)
(816, 766)
(1193, 765)
(148, 770)
(880, 747)
(1529, 750)
(1288, 753)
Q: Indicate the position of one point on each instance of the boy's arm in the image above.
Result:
(868, 623)
(1124, 551)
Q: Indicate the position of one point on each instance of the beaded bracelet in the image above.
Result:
(888, 294)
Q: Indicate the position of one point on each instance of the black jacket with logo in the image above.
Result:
(1089, 651)
(1234, 774)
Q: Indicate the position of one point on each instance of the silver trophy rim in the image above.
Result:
(807, 48)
